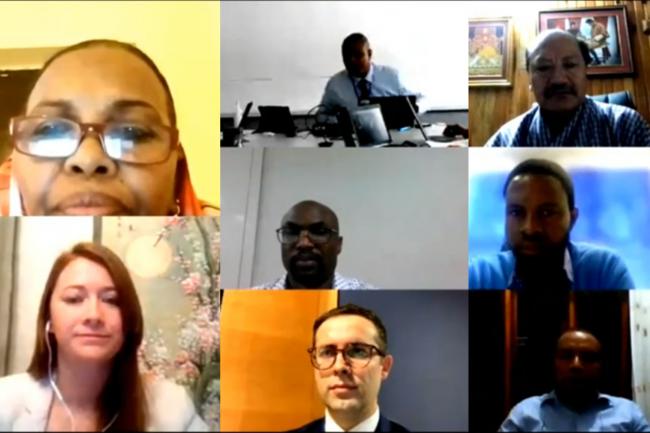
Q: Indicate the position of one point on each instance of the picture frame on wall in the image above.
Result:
(603, 29)
(491, 52)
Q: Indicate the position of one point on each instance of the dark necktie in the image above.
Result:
(364, 89)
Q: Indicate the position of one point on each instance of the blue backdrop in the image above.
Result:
(614, 208)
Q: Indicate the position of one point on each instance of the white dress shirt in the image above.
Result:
(367, 425)
(25, 403)
(340, 283)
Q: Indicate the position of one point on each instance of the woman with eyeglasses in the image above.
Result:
(84, 374)
(98, 137)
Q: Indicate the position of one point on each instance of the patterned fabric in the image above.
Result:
(546, 413)
(342, 90)
(594, 124)
(340, 283)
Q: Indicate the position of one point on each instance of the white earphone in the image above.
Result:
(48, 326)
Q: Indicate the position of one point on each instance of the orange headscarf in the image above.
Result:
(188, 202)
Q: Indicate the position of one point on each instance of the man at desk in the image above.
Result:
(310, 244)
(361, 78)
(540, 213)
(349, 384)
(576, 404)
(564, 116)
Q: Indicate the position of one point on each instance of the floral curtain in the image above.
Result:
(175, 266)
(640, 332)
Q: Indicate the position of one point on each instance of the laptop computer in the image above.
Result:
(430, 140)
(395, 110)
(231, 136)
(276, 119)
(369, 126)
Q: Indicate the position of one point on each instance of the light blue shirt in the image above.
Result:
(588, 268)
(342, 89)
(546, 413)
(594, 124)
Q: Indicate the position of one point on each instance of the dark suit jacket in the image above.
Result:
(318, 426)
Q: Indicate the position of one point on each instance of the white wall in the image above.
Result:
(282, 53)
(402, 212)
(40, 241)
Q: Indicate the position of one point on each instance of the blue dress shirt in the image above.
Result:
(342, 89)
(546, 413)
(594, 124)
(587, 267)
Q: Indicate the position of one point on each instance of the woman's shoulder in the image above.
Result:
(20, 381)
(170, 407)
(19, 392)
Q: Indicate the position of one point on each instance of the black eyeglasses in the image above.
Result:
(358, 355)
(318, 235)
(58, 138)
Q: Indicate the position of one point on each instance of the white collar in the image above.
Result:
(367, 425)
(369, 76)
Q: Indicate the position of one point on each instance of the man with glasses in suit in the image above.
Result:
(310, 244)
(349, 384)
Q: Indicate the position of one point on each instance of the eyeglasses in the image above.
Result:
(318, 235)
(57, 138)
(358, 355)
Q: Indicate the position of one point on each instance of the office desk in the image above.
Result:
(305, 139)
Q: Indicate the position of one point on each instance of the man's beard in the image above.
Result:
(544, 270)
(302, 277)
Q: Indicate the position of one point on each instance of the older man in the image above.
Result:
(564, 116)
(540, 213)
(310, 244)
(349, 384)
(576, 404)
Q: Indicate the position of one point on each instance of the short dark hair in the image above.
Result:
(110, 43)
(350, 41)
(354, 310)
(546, 168)
(582, 46)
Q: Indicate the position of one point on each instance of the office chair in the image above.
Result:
(619, 98)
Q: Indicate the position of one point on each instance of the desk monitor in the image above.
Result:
(396, 110)
(276, 119)
(370, 127)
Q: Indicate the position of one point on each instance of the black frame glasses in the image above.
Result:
(23, 128)
(345, 352)
(287, 235)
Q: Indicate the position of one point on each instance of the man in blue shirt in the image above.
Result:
(540, 212)
(564, 116)
(361, 78)
(576, 404)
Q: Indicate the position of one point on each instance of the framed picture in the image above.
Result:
(491, 52)
(603, 29)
